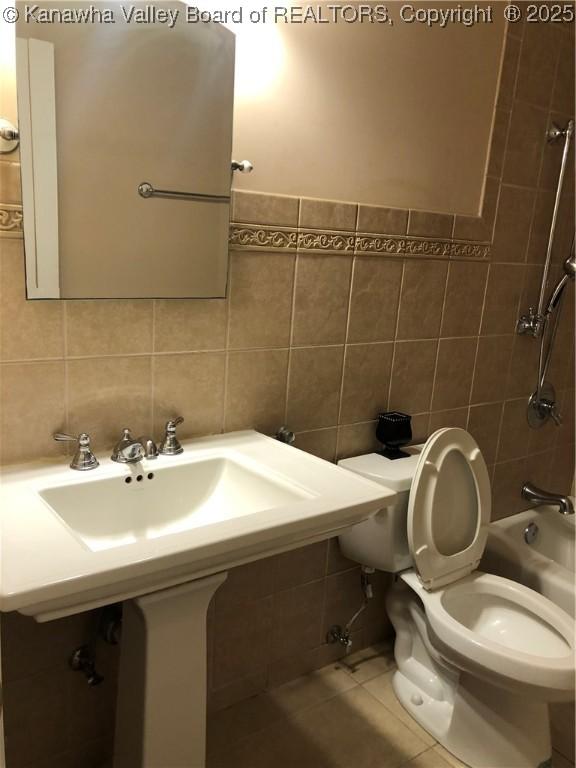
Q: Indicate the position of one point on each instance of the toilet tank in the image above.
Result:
(382, 541)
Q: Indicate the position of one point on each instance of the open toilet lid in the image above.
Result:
(448, 508)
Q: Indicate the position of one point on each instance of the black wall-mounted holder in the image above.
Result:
(394, 430)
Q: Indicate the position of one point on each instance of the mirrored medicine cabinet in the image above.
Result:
(125, 145)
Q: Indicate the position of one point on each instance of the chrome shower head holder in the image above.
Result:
(555, 133)
(569, 265)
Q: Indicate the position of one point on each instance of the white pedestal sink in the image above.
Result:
(159, 536)
(164, 656)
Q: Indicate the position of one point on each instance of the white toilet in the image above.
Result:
(479, 657)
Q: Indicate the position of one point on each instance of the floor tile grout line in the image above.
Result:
(390, 711)
(296, 713)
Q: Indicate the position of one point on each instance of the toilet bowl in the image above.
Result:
(479, 657)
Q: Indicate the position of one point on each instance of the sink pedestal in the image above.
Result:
(161, 712)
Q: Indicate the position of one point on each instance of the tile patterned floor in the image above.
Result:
(342, 716)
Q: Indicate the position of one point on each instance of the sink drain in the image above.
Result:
(530, 533)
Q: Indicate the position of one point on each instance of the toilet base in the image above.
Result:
(486, 728)
(481, 724)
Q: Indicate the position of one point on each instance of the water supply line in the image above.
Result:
(342, 635)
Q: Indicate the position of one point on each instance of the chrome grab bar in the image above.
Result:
(147, 190)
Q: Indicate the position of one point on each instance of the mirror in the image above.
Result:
(369, 112)
(111, 114)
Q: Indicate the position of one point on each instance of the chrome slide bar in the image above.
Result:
(554, 135)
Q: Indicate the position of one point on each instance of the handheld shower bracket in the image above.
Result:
(555, 133)
(530, 324)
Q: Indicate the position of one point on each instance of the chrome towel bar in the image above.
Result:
(147, 190)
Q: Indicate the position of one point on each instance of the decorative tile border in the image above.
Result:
(325, 241)
(250, 236)
(423, 247)
(464, 250)
(259, 237)
(11, 220)
(370, 243)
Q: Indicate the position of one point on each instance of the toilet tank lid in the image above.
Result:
(396, 474)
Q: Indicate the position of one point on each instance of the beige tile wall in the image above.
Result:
(318, 333)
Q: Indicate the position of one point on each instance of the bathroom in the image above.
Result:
(385, 240)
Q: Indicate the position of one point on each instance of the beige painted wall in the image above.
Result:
(389, 115)
(302, 335)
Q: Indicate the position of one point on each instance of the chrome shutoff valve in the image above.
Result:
(336, 634)
(82, 660)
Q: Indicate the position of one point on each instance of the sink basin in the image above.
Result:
(71, 541)
(117, 511)
(159, 536)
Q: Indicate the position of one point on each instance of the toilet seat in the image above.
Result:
(479, 657)
(448, 508)
(488, 624)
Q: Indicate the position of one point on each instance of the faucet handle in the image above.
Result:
(83, 458)
(549, 408)
(170, 446)
(556, 416)
(64, 437)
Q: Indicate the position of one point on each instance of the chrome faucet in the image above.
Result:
(537, 496)
(130, 451)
